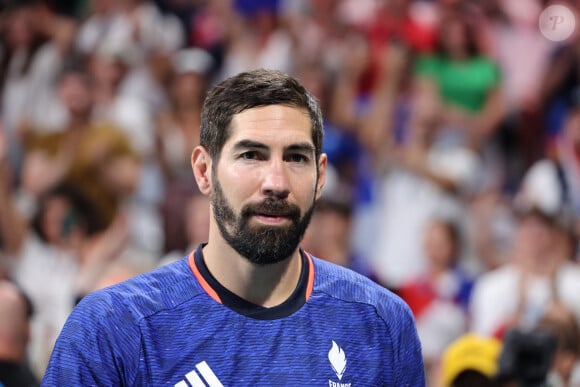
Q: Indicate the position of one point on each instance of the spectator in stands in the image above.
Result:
(464, 81)
(96, 157)
(257, 39)
(419, 177)
(562, 323)
(186, 222)
(178, 125)
(177, 134)
(34, 44)
(329, 234)
(560, 84)
(565, 156)
(515, 39)
(15, 314)
(61, 240)
(470, 361)
(517, 293)
(439, 297)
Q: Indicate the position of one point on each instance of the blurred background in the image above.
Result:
(453, 137)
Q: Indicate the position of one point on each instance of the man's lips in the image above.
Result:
(273, 214)
(271, 218)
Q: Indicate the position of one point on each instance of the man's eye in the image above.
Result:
(250, 155)
(297, 158)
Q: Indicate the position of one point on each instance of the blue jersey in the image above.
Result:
(177, 326)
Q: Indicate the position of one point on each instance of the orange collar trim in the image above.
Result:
(213, 294)
(210, 291)
(310, 284)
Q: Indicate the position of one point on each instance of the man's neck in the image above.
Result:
(263, 285)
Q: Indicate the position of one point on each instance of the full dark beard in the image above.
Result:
(261, 245)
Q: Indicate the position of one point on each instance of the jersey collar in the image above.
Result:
(222, 295)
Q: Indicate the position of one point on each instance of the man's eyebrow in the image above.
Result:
(301, 147)
(245, 144)
(298, 147)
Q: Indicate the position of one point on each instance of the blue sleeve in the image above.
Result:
(98, 346)
(408, 355)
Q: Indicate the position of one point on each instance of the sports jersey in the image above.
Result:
(177, 326)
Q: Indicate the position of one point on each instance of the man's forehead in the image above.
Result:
(271, 112)
(271, 124)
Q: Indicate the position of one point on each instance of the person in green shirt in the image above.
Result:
(465, 81)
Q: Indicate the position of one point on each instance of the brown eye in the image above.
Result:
(250, 155)
(297, 158)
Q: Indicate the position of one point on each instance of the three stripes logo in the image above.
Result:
(201, 376)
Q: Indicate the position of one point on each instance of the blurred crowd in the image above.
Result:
(452, 129)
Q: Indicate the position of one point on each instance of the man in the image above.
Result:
(471, 361)
(249, 307)
(15, 312)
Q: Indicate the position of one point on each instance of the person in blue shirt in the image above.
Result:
(249, 307)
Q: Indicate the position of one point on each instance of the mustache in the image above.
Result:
(272, 207)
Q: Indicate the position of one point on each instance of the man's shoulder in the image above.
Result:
(328, 275)
(161, 289)
(349, 286)
(380, 309)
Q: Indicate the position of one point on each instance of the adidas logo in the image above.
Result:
(200, 376)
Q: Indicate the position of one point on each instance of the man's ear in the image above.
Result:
(322, 162)
(201, 166)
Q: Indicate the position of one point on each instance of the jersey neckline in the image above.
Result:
(222, 295)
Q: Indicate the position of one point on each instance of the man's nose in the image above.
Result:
(275, 181)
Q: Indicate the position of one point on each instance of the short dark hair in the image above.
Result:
(249, 90)
(471, 378)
